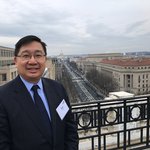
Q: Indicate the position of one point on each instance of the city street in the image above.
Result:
(85, 91)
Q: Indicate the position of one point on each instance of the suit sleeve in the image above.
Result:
(4, 130)
(71, 135)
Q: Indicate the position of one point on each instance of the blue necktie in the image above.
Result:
(40, 105)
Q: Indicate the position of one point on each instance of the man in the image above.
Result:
(35, 112)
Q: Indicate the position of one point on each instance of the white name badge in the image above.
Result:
(62, 109)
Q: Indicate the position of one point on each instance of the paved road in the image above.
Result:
(85, 91)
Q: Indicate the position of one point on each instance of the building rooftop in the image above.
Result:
(6, 48)
(128, 62)
(105, 55)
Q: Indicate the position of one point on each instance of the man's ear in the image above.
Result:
(46, 58)
(15, 59)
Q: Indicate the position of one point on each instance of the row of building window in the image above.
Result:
(6, 62)
(3, 76)
(148, 67)
(143, 90)
(143, 78)
(6, 53)
(146, 85)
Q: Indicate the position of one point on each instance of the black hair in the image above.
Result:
(26, 40)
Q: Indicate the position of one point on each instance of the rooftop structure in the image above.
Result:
(128, 62)
(120, 94)
(99, 57)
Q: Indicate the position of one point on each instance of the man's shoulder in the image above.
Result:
(51, 81)
(7, 85)
(6, 90)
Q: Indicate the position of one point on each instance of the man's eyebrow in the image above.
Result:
(39, 51)
(27, 51)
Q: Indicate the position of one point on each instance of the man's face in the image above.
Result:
(31, 61)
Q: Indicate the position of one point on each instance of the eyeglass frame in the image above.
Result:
(28, 56)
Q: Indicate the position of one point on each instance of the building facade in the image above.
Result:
(50, 66)
(99, 57)
(8, 70)
(132, 74)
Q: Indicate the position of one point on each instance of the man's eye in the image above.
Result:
(38, 55)
(26, 56)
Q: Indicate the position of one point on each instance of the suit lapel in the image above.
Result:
(51, 98)
(24, 99)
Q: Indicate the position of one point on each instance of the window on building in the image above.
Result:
(12, 75)
(128, 77)
(139, 79)
(143, 76)
(3, 77)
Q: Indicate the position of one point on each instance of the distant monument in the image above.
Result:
(61, 55)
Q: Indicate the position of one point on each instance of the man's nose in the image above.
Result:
(32, 59)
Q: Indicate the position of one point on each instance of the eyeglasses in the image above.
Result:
(28, 56)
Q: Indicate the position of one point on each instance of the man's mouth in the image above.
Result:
(32, 69)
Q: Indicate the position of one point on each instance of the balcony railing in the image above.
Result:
(119, 124)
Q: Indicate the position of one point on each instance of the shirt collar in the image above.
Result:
(29, 84)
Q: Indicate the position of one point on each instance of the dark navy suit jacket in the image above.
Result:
(21, 127)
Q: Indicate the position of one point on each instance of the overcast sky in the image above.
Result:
(78, 26)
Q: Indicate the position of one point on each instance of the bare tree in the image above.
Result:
(69, 86)
(102, 81)
(73, 64)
